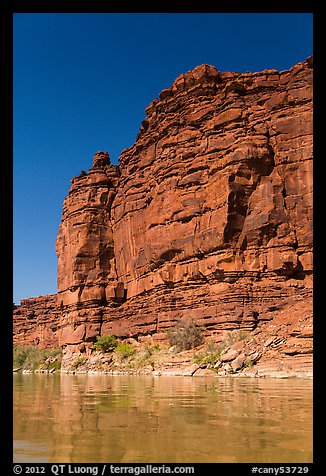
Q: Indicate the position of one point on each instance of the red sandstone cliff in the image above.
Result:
(209, 213)
(36, 322)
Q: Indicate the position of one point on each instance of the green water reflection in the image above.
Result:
(99, 418)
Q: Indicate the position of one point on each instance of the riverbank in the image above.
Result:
(258, 373)
(281, 347)
(234, 354)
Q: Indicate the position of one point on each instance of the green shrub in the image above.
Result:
(185, 335)
(124, 350)
(154, 348)
(209, 358)
(235, 336)
(31, 357)
(144, 355)
(148, 354)
(249, 363)
(78, 362)
(20, 353)
(106, 343)
(55, 364)
(149, 349)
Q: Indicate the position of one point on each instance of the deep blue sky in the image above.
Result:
(82, 83)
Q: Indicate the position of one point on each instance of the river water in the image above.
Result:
(101, 418)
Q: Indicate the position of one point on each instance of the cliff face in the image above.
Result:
(209, 213)
(36, 322)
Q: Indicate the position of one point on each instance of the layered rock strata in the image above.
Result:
(208, 215)
(36, 322)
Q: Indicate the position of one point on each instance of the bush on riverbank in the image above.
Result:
(186, 334)
(124, 350)
(106, 343)
(31, 357)
(210, 357)
(147, 355)
(116, 353)
(128, 355)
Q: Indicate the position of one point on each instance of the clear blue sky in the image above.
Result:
(82, 83)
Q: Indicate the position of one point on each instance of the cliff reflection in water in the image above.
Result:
(98, 418)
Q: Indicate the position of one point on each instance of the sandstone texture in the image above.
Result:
(207, 215)
(36, 322)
